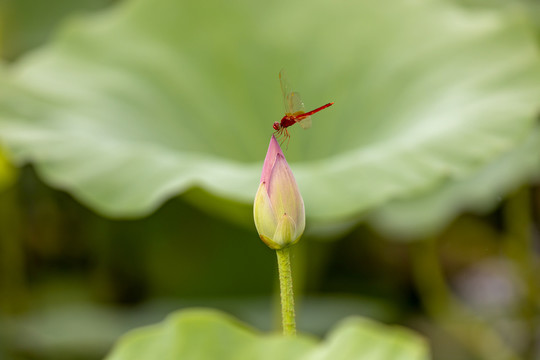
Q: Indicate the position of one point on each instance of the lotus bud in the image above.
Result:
(278, 209)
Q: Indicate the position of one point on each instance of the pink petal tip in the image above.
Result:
(273, 150)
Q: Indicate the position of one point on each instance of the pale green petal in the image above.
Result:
(300, 222)
(265, 219)
(286, 232)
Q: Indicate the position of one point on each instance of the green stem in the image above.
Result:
(12, 261)
(518, 246)
(286, 289)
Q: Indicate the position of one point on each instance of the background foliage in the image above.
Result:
(163, 109)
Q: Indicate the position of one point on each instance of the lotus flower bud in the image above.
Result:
(278, 209)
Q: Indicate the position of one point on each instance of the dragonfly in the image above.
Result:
(294, 111)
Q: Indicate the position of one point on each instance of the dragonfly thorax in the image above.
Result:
(287, 121)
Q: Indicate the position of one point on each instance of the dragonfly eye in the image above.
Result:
(276, 126)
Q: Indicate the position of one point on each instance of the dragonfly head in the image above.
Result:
(276, 126)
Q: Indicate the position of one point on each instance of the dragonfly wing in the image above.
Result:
(296, 105)
(305, 123)
(292, 101)
(285, 90)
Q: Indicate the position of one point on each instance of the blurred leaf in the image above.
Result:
(60, 326)
(25, 24)
(206, 334)
(139, 104)
(424, 214)
(526, 8)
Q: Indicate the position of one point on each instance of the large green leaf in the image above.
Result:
(424, 214)
(207, 334)
(144, 102)
(27, 23)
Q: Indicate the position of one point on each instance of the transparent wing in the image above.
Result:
(291, 100)
(295, 103)
(305, 123)
(285, 90)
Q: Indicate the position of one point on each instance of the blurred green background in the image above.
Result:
(133, 134)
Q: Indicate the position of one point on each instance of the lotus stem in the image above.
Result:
(286, 290)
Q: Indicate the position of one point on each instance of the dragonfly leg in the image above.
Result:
(282, 135)
(279, 133)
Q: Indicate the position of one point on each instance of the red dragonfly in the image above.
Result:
(294, 110)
